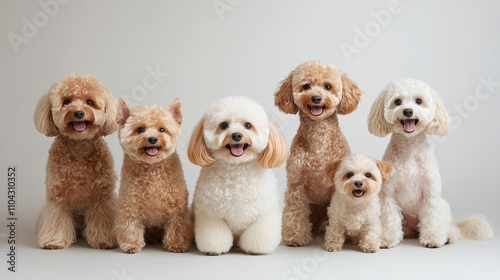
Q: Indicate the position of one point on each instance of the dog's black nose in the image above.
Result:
(236, 136)
(79, 114)
(358, 184)
(316, 99)
(408, 113)
(152, 140)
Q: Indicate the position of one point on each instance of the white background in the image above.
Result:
(248, 49)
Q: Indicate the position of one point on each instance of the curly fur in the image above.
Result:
(80, 177)
(318, 141)
(236, 200)
(355, 210)
(153, 191)
(411, 198)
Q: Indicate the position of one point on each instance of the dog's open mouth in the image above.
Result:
(79, 126)
(409, 125)
(237, 150)
(152, 151)
(358, 193)
(316, 110)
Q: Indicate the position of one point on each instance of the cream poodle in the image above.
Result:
(236, 200)
(411, 198)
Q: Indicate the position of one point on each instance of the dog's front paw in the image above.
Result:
(54, 246)
(297, 240)
(431, 241)
(333, 247)
(388, 243)
(177, 248)
(369, 248)
(131, 248)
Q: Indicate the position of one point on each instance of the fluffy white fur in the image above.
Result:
(236, 200)
(354, 211)
(411, 198)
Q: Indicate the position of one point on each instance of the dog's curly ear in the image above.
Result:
(197, 148)
(331, 168)
(110, 124)
(44, 122)
(283, 97)
(122, 112)
(175, 109)
(351, 95)
(441, 124)
(385, 169)
(377, 125)
(276, 151)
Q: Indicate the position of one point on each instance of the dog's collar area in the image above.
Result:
(409, 125)
(237, 149)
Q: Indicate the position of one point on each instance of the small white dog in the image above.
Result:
(411, 198)
(355, 207)
(236, 196)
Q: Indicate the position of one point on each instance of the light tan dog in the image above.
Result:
(354, 211)
(153, 192)
(317, 91)
(80, 180)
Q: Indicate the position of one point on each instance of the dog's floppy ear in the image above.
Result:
(351, 95)
(276, 151)
(385, 169)
(331, 168)
(175, 109)
(377, 125)
(197, 149)
(43, 116)
(110, 124)
(123, 112)
(441, 124)
(283, 97)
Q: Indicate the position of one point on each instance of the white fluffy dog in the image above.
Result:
(355, 207)
(236, 196)
(411, 198)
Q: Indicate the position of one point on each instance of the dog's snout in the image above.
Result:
(79, 114)
(236, 136)
(408, 113)
(358, 184)
(316, 99)
(152, 140)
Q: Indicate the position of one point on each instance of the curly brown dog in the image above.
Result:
(317, 91)
(80, 178)
(153, 192)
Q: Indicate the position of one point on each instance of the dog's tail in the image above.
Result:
(475, 227)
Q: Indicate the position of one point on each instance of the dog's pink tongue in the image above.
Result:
(316, 110)
(237, 149)
(152, 151)
(409, 125)
(79, 126)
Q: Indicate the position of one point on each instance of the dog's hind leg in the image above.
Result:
(55, 229)
(100, 220)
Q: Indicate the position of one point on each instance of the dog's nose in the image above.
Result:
(79, 114)
(358, 184)
(236, 136)
(316, 99)
(408, 113)
(152, 140)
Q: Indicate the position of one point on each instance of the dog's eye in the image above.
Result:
(306, 87)
(328, 87)
(248, 125)
(398, 102)
(349, 175)
(89, 102)
(161, 129)
(140, 130)
(224, 125)
(66, 102)
(368, 175)
(418, 101)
